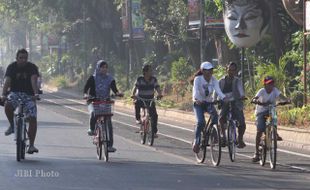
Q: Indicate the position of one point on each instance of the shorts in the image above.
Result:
(30, 107)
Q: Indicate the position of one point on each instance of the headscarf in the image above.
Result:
(102, 82)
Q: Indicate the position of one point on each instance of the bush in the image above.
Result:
(60, 81)
(299, 117)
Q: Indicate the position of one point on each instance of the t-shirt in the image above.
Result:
(21, 77)
(264, 97)
(146, 89)
(203, 90)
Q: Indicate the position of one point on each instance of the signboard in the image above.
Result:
(307, 15)
(137, 20)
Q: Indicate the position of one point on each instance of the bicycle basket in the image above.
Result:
(102, 108)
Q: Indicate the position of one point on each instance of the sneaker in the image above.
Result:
(9, 131)
(255, 158)
(90, 132)
(111, 149)
(241, 144)
(279, 138)
(138, 122)
(32, 149)
(196, 148)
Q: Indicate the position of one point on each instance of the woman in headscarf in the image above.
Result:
(99, 85)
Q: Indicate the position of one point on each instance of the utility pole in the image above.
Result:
(305, 29)
(202, 30)
(130, 41)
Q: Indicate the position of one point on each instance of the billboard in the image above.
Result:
(137, 20)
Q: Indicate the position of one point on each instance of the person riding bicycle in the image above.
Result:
(204, 84)
(265, 96)
(232, 87)
(21, 79)
(99, 86)
(145, 87)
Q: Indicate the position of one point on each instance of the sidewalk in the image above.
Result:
(295, 138)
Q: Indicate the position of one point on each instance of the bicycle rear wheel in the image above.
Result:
(99, 142)
(273, 147)
(19, 140)
(201, 155)
(231, 135)
(215, 145)
(105, 140)
(150, 135)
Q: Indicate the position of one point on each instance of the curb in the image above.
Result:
(294, 138)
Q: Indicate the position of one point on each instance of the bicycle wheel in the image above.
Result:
(24, 143)
(19, 140)
(105, 140)
(150, 135)
(231, 135)
(99, 142)
(262, 152)
(215, 145)
(273, 147)
(201, 155)
(143, 131)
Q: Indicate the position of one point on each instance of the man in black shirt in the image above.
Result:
(21, 83)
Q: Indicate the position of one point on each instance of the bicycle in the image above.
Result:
(21, 130)
(146, 129)
(103, 111)
(210, 136)
(268, 142)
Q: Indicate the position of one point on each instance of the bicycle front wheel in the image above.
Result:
(201, 155)
(19, 140)
(273, 147)
(150, 135)
(143, 131)
(99, 142)
(231, 134)
(105, 140)
(215, 145)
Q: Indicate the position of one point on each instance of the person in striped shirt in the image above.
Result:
(145, 87)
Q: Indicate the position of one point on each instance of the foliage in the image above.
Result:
(181, 70)
(295, 116)
(60, 81)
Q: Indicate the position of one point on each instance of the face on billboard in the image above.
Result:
(244, 22)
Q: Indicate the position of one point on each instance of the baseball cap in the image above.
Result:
(268, 80)
(206, 66)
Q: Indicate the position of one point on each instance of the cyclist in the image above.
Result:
(265, 96)
(232, 87)
(204, 84)
(99, 85)
(145, 87)
(21, 78)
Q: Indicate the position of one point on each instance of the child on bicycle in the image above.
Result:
(99, 86)
(204, 84)
(265, 96)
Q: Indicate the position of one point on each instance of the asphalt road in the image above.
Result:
(67, 158)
